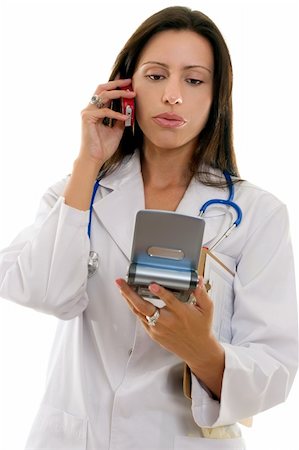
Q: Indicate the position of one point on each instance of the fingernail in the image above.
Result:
(119, 282)
(154, 288)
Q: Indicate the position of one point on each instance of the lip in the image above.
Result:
(169, 120)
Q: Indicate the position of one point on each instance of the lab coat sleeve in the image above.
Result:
(261, 360)
(45, 267)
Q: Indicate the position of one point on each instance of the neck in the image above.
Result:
(162, 168)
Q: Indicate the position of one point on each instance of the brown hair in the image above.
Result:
(215, 149)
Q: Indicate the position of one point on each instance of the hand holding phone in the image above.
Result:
(125, 106)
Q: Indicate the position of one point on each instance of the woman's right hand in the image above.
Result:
(99, 142)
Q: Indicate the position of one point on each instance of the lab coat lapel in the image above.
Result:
(117, 209)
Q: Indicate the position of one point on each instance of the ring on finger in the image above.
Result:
(152, 320)
(98, 101)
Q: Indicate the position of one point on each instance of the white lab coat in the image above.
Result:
(109, 385)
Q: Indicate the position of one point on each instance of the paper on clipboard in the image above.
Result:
(218, 279)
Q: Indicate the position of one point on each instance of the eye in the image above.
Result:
(194, 81)
(155, 77)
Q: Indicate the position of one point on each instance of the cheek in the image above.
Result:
(147, 99)
(203, 107)
(142, 108)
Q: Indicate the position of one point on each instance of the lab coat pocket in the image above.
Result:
(196, 443)
(57, 429)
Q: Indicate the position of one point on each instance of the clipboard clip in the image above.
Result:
(208, 286)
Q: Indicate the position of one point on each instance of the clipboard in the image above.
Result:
(218, 280)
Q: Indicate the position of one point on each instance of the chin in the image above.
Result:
(170, 144)
(170, 139)
(166, 145)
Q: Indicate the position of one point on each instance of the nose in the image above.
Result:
(172, 93)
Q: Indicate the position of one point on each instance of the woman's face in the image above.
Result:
(173, 82)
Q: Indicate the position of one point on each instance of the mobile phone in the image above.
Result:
(166, 249)
(125, 106)
(128, 108)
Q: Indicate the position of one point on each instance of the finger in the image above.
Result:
(110, 85)
(203, 300)
(93, 114)
(106, 100)
(143, 307)
(112, 95)
(132, 307)
(170, 299)
(107, 96)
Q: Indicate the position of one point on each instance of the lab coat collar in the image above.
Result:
(117, 210)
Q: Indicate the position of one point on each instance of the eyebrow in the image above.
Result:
(194, 66)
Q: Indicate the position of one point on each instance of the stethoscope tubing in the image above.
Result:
(230, 185)
(220, 201)
(95, 188)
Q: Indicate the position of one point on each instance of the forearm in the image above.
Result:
(209, 368)
(79, 188)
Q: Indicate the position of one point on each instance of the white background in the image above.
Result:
(54, 53)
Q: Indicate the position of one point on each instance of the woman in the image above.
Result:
(115, 380)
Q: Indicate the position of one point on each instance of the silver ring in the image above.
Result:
(152, 320)
(97, 100)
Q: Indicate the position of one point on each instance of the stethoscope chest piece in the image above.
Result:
(93, 263)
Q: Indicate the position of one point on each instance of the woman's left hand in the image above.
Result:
(184, 329)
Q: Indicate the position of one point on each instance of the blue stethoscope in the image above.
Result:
(93, 260)
(229, 202)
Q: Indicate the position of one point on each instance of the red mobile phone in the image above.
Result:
(128, 108)
(125, 106)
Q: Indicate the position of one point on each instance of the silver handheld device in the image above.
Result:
(166, 249)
